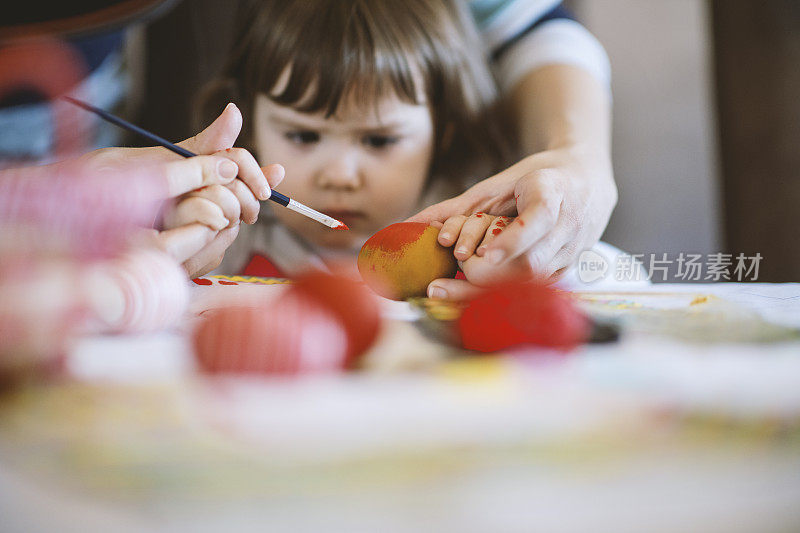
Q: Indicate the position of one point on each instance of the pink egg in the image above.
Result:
(293, 335)
(75, 209)
(143, 290)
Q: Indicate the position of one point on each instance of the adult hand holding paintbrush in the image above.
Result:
(226, 137)
(213, 191)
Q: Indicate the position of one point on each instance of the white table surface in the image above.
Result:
(663, 480)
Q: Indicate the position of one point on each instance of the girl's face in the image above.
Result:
(364, 168)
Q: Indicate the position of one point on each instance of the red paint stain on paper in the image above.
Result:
(201, 281)
(224, 282)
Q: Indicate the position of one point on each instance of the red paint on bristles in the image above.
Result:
(341, 226)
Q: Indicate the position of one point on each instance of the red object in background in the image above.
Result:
(322, 323)
(352, 303)
(52, 68)
(512, 314)
(262, 267)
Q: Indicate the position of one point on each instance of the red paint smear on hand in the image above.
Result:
(496, 231)
(341, 226)
(500, 224)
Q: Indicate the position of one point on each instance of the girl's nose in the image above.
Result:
(340, 171)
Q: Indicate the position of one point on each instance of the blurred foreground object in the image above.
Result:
(321, 323)
(68, 265)
(511, 314)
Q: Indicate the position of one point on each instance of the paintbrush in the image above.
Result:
(276, 197)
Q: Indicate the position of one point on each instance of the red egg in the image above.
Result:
(351, 302)
(512, 314)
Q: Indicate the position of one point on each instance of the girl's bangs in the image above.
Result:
(364, 63)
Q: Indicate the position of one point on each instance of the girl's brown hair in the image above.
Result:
(425, 51)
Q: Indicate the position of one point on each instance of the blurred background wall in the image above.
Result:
(757, 52)
(664, 136)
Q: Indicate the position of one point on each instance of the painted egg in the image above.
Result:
(511, 314)
(399, 261)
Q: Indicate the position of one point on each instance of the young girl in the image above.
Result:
(375, 109)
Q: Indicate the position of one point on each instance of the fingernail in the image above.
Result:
(227, 169)
(445, 236)
(266, 192)
(480, 250)
(461, 251)
(436, 292)
(496, 256)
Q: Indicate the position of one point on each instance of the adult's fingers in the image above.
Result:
(452, 289)
(209, 258)
(479, 271)
(219, 135)
(494, 195)
(539, 207)
(247, 202)
(541, 257)
(222, 197)
(196, 210)
(274, 174)
(249, 172)
(443, 210)
(188, 174)
(183, 242)
(563, 260)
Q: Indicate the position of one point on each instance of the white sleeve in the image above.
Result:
(557, 41)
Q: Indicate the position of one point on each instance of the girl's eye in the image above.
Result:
(379, 141)
(302, 137)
